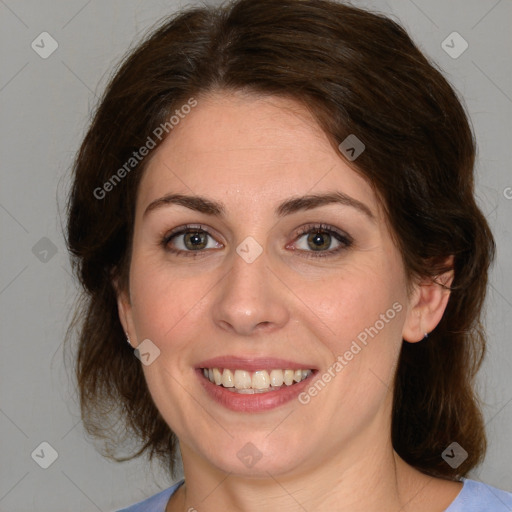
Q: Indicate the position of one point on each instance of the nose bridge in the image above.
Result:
(250, 269)
(250, 298)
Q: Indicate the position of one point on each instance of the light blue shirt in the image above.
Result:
(474, 497)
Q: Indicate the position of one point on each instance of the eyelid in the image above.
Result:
(321, 227)
(181, 230)
(342, 237)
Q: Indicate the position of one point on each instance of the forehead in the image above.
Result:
(252, 147)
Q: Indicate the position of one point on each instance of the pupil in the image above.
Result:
(195, 239)
(318, 240)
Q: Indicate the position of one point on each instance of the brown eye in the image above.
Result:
(320, 239)
(195, 240)
(189, 241)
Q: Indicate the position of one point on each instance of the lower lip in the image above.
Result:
(256, 402)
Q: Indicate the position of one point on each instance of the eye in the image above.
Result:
(189, 239)
(317, 240)
(320, 239)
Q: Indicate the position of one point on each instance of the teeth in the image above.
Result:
(217, 376)
(227, 379)
(260, 380)
(288, 377)
(276, 378)
(242, 381)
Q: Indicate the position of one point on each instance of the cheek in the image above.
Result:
(162, 298)
(356, 298)
(364, 311)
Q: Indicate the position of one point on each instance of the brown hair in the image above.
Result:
(358, 73)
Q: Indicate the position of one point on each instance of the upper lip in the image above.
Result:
(252, 364)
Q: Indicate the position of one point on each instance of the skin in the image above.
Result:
(334, 453)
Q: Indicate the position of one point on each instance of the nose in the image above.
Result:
(251, 298)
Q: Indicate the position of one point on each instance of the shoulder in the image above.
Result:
(479, 497)
(155, 503)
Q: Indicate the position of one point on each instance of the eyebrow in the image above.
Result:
(288, 207)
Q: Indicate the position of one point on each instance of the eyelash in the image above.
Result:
(344, 239)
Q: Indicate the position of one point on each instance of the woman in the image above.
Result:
(274, 207)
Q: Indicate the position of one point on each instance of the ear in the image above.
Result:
(427, 305)
(124, 309)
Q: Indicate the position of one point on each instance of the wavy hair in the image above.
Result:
(357, 72)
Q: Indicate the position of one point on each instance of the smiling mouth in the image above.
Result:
(260, 381)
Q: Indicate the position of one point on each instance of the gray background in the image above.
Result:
(45, 105)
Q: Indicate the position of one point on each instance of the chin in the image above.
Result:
(257, 456)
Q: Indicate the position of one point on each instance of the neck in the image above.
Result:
(361, 478)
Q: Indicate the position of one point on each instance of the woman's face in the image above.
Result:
(270, 277)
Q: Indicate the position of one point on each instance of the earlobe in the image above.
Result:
(124, 309)
(427, 306)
